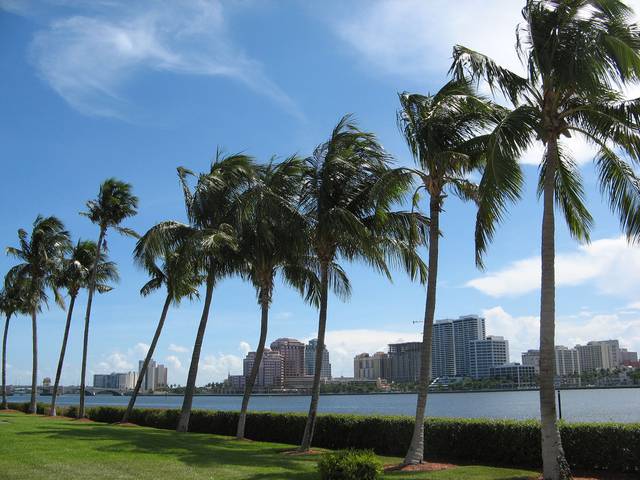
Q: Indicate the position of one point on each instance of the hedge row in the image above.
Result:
(588, 446)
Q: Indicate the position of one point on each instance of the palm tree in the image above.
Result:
(272, 241)
(443, 132)
(73, 276)
(576, 54)
(41, 254)
(346, 201)
(180, 279)
(115, 203)
(12, 301)
(209, 239)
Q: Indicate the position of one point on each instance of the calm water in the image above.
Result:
(618, 405)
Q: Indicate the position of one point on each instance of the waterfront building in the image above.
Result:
(116, 381)
(270, 372)
(531, 358)
(522, 375)
(155, 377)
(371, 367)
(292, 352)
(450, 345)
(466, 329)
(236, 382)
(567, 361)
(310, 360)
(599, 355)
(484, 354)
(405, 361)
(628, 358)
(443, 350)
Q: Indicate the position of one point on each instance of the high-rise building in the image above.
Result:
(531, 358)
(270, 371)
(371, 367)
(484, 354)
(599, 355)
(443, 351)
(628, 358)
(466, 329)
(292, 352)
(116, 381)
(567, 361)
(155, 377)
(405, 361)
(450, 345)
(310, 360)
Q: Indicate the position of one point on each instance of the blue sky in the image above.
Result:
(135, 89)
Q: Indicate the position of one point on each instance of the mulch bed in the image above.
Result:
(126, 424)
(420, 467)
(298, 453)
(83, 420)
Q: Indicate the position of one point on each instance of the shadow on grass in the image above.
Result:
(193, 449)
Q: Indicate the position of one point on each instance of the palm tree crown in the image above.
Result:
(577, 53)
(114, 204)
(41, 254)
(75, 270)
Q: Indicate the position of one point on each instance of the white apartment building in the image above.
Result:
(484, 354)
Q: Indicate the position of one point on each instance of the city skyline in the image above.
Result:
(120, 122)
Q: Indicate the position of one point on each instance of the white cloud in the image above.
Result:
(634, 306)
(174, 362)
(523, 331)
(177, 348)
(141, 349)
(244, 348)
(89, 57)
(610, 264)
(343, 345)
(115, 362)
(217, 367)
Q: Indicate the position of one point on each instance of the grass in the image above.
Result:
(36, 447)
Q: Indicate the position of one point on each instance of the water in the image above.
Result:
(593, 405)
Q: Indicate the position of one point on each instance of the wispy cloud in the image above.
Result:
(610, 264)
(90, 55)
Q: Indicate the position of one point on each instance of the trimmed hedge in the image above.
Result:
(588, 446)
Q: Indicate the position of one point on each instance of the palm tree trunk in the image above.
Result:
(248, 388)
(315, 391)
(4, 363)
(63, 349)
(183, 421)
(87, 317)
(415, 454)
(147, 359)
(555, 466)
(33, 406)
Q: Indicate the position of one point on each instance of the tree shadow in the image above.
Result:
(192, 449)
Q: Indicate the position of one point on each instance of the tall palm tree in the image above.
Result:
(41, 254)
(210, 239)
(444, 133)
(180, 279)
(272, 241)
(347, 200)
(577, 54)
(114, 204)
(74, 275)
(12, 301)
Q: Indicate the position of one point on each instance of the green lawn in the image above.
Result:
(45, 448)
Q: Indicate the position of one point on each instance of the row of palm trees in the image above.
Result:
(300, 218)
